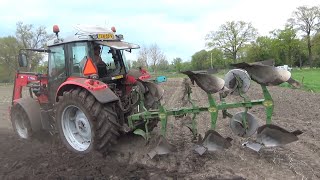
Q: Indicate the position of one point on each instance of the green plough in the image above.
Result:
(243, 124)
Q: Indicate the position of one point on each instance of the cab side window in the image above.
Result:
(107, 57)
(57, 63)
(79, 54)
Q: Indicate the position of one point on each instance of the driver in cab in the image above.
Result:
(97, 60)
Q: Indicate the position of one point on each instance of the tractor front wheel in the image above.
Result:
(21, 123)
(84, 124)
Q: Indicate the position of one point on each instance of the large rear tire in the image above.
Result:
(84, 124)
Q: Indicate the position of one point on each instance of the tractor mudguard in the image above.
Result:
(32, 108)
(98, 89)
(141, 74)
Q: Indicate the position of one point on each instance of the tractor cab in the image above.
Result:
(93, 52)
(102, 47)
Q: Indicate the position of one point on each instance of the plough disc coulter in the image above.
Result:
(243, 124)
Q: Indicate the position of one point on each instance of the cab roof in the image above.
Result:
(99, 34)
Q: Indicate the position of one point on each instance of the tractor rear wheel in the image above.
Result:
(84, 124)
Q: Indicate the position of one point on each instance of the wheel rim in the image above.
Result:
(21, 127)
(76, 128)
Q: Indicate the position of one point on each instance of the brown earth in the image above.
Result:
(294, 109)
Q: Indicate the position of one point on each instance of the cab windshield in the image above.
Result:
(108, 60)
(113, 60)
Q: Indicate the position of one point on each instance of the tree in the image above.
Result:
(261, 49)
(231, 36)
(155, 56)
(9, 49)
(150, 57)
(200, 60)
(307, 20)
(186, 66)
(316, 48)
(34, 38)
(217, 58)
(42, 67)
(163, 64)
(177, 64)
(142, 57)
(288, 44)
(129, 64)
(135, 64)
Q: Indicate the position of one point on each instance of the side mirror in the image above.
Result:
(22, 60)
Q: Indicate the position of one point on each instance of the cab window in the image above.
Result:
(107, 55)
(79, 54)
(57, 63)
(125, 61)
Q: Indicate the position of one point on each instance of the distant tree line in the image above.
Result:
(297, 44)
(151, 57)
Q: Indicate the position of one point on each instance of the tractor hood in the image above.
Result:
(119, 45)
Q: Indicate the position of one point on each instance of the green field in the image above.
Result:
(310, 79)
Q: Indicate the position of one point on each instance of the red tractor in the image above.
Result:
(86, 101)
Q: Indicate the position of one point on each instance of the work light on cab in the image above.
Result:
(113, 29)
(56, 29)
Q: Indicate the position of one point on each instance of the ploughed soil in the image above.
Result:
(294, 109)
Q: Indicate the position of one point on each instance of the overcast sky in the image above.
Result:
(177, 26)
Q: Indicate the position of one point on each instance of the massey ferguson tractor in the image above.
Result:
(87, 103)
(90, 104)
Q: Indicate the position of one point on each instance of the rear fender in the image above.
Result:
(98, 89)
(140, 74)
(135, 75)
(32, 108)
